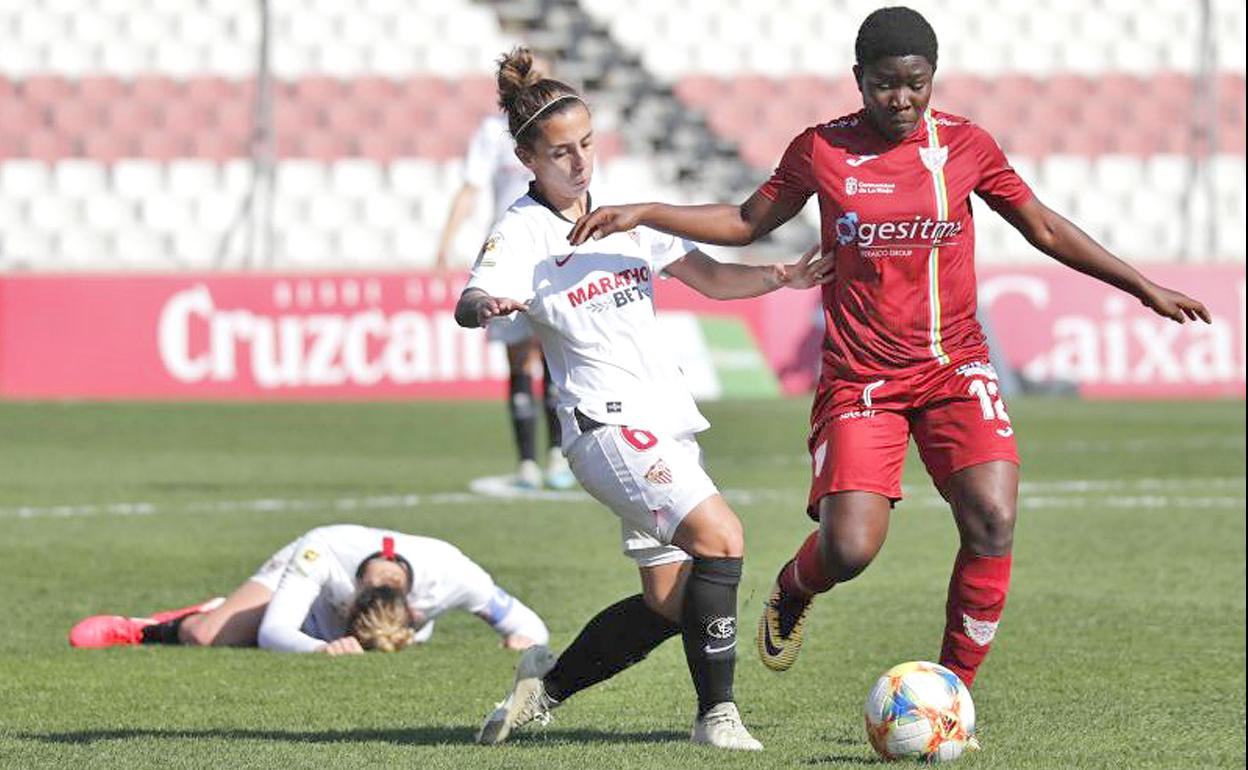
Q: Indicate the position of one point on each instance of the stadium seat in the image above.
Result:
(79, 178)
(110, 213)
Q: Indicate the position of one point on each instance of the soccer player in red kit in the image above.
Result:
(903, 354)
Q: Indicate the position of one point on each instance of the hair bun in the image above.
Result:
(515, 74)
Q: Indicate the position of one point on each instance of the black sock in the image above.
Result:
(162, 633)
(550, 399)
(523, 416)
(709, 627)
(613, 640)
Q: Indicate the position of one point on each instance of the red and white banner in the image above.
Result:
(393, 336)
(1053, 324)
(242, 336)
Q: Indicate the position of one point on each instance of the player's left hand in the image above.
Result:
(517, 642)
(347, 645)
(605, 220)
(1174, 305)
(811, 270)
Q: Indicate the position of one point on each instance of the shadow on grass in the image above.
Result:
(415, 736)
(844, 759)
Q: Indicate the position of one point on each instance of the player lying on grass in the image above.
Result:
(338, 589)
(629, 422)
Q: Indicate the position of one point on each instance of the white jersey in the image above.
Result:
(312, 602)
(491, 163)
(593, 310)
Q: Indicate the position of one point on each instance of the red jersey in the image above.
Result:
(898, 220)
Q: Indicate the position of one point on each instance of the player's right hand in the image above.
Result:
(489, 307)
(603, 221)
(347, 645)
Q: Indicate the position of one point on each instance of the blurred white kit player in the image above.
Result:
(627, 417)
(302, 599)
(491, 165)
(314, 584)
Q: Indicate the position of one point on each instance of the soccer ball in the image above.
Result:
(920, 711)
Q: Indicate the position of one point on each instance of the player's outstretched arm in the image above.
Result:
(475, 308)
(719, 223)
(518, 625)
(719, 280)
(1059, 238)
(461, 208)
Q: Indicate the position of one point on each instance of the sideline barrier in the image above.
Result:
(260, 336)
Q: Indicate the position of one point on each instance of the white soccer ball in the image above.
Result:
(922, 711)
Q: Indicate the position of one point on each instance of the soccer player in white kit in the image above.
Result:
(311, 595)
(491, 164)
(628, 418)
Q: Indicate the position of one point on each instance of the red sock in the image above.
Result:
(804, 574)
(977, 592)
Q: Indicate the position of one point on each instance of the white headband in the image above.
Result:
(545, 107)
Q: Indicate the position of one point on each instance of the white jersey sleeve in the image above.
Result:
(305, 573)
(665, 249)
(508, 615)
(474, 590)
(505, 266)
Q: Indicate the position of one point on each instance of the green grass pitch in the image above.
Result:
(1122, 644)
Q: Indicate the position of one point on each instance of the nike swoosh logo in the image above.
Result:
(562, 262)
(856, 162)
(772, 649)
(709, 650)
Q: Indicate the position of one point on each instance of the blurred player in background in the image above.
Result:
(491, 164)
(629, 423)
(903, 354)
(337, 589)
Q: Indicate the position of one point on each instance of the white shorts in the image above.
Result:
(270, 573)
(650, 481)
(509, 330)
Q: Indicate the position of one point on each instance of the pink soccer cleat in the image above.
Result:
(107, 631)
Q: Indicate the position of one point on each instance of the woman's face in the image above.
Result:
(895, 91)
(562, 155)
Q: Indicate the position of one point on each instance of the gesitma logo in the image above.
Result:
(897, 237)
(847, 226)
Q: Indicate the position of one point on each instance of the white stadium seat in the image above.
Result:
(22, 178)
(137, 179)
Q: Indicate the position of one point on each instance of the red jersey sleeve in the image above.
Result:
(794, 177)
(999, 184)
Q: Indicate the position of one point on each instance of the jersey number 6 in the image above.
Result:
(641, 440)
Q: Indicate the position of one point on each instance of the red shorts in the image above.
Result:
(860, 430)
